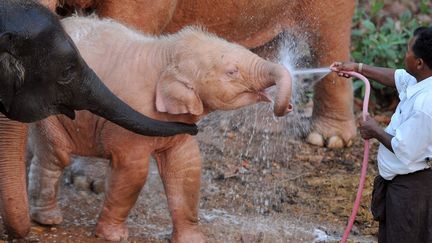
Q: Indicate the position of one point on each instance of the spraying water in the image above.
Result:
(255, 135)
(320, 71)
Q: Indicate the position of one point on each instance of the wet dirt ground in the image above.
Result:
(260, 183)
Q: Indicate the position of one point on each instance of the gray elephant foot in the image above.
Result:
(332, 133)
(50, 216)
(112, 232)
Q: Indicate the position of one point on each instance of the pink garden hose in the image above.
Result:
(365, 158)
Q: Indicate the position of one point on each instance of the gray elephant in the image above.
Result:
(42, 74)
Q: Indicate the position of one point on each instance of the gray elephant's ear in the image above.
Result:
(11, 71)
(6, 39)
(176, 95)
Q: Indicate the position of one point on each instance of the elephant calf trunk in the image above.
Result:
(282, 104)
(276, 74)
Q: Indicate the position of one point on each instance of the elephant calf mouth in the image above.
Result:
(264, 96)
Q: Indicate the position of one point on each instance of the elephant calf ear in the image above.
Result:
(177, 96)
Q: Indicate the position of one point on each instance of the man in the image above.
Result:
(402, 196)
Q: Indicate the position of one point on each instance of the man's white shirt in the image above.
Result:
(411, 126)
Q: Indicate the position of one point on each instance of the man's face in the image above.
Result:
(410, 59)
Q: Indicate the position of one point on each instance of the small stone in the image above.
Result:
(37, 229)
(230, 135)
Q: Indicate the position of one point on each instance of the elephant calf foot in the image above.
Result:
(192, 235)
(112, 232)
(44, 216)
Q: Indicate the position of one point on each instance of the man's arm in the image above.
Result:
(382, 75)
(384, 138)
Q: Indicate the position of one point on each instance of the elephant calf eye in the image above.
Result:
(232, 72)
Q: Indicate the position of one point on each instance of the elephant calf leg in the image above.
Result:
(124, 185)
(43, 188)
(180, 170)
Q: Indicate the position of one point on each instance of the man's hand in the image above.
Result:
(369, 128)
(344, 66)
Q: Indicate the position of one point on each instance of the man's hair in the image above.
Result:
(422, 47)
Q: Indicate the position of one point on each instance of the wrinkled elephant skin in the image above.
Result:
(180, 77)
(13, 199)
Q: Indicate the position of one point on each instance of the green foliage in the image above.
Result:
(380, 39)
(425, 7)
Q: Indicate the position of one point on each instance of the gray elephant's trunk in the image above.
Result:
(270, 74)
(101, 101)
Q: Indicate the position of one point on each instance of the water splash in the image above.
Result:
(255, 135)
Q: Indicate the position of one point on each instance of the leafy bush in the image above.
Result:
(380, 39)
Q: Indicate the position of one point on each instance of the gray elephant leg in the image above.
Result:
(125, 181)
(43, 188)
(180, 170)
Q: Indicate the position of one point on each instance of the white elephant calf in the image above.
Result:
(180, 77)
